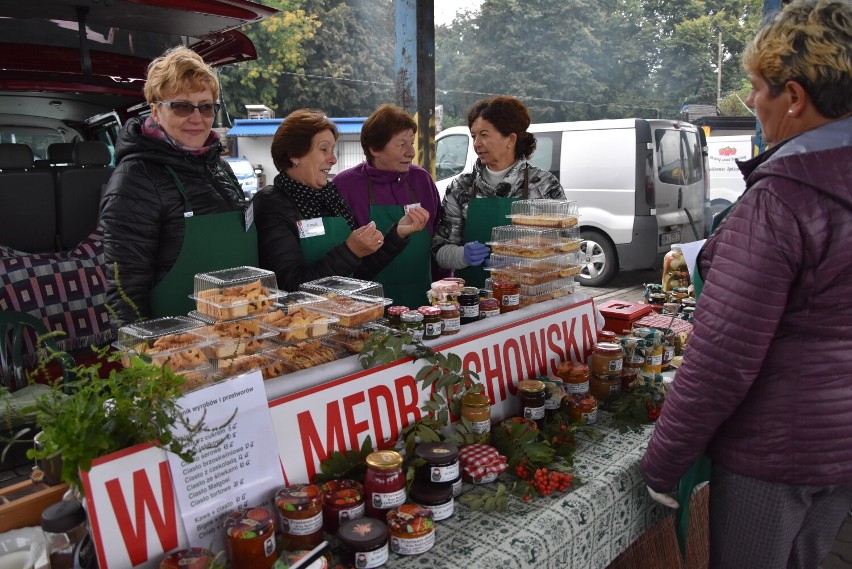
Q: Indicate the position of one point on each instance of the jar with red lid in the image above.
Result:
(489, 307)
(531, 393)
(450, 318)
(300, 511)
(585, 408)
(342, 500)
(250, 534)
(607, 359)
(606, 336)
(395, 314)
(384, 483)
(411, 528)
(508, 295)
(575, 379)
(431, 321)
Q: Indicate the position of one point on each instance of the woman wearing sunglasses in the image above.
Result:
(173, 207)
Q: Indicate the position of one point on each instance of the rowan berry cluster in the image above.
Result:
(545, 482)
(653, 411)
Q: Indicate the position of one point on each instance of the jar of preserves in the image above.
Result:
(653, 349)
(607, 359)
(584, 409)
(531, 392)
(395, 316)
(679, 293)
(508, 295)
(634, 354)
(365, 543)
(606, 336)
(64, 527)
(688, 302)
(575, 378)
(668, 347)
(442, 463)
(604, 388)
(489, 307)
(657, 300)
(476, 408)
(450, 318)
(289, 558)
(412, 323)
(553, 393)
(192, 558)
(431, 321)
(436, 497)
(469, 305)
(300, 511)
(250, 535)
(411, 528)
(342, 500)
(384, 483)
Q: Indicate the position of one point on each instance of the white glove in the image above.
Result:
(664, 499)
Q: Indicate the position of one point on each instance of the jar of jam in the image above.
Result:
(436, 497)
(476, 408)
(365, 543)
(469, 305)
(300, 510)
(384, 483)
(489, 307)
(395, 314)
(575, 378)
(289, 558)
(688, 313)
(653, 349)
(657, 300)
(553, 393)
(634, 354)
(606, 336)
(607, 359)
(604, 388)
(412, 323)
(628, 376)
(342, 500)
(450, 318)
(442, 464)
(584, 409)
(193, 558)
(668, 347)
(531, 392)
(688, 302)
(412, 529)
(508, 295)
(250, 534)
(431, 321)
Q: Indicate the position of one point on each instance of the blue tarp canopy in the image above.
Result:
(267, 127)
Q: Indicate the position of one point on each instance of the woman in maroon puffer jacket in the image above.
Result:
(765, 388)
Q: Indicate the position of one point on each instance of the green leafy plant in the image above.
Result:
(642, 405)
(350, 464)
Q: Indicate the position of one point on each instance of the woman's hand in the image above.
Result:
(365, 240)
(414, 220)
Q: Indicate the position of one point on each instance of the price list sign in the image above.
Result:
(238, 466)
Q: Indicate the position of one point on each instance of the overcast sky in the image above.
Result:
(445, 10)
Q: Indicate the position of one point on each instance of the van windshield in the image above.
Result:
(680, 157)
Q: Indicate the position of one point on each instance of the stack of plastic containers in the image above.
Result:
(540, 250)
(233, 302)
(173, 341)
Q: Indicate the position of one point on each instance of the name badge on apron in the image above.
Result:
(310, 227)
(407, 207)
(249, 215)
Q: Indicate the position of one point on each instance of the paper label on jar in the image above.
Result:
(442, 511)
(416, 335)
(490, 313)
(551, 403)
(615, 365)
(351, 513)
(590, 418)
(301, 527)
(534, 413)
(511, 300)
(386, 501)
(413, 545)
(656, 360)
(269, 544)
(668, 353)
(615, 389)
(457, 488)
(445, 473)
(490, 477)
(433, 328)
(578, 387)
(451, 324)
(469, 311)
(634, 358)
(371, 559)
(480, 427)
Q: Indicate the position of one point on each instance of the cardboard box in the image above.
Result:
(619, 315)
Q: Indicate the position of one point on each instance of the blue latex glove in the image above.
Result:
(475, 252)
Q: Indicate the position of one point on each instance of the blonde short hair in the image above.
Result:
(179, 69)
(810, 42)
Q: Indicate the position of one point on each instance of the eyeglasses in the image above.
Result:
(184, 109)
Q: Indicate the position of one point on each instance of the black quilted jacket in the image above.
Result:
(142, 212)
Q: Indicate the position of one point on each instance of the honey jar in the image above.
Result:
(607, 359)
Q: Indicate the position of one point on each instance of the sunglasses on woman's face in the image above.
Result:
(184, 109)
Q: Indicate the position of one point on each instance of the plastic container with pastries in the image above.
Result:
(569, 264)
(528, 242)
(229, 367)
(527, 300)
(546, 288)
(352, 339)
(304, 355)
(353, 310)
(523, 270)
(544, 213)
(345, 286)
(569, 239)
(233, 338)
(235, 293)
(297, 323)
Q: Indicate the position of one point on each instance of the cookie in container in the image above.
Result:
(297, 323)
(305, 355)
(345, 286)
(524, 271)
(528, 242)
(353, 310)
(233, 338)
(544, 213)
(235, 293)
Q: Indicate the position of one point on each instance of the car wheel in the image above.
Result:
(598, 258)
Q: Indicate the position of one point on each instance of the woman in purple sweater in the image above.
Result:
(383, 188)
(765, 389)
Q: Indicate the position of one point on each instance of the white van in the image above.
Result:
(639, 184)
(726, 182)
(245, 173)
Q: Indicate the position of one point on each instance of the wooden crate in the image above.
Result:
(21, 504)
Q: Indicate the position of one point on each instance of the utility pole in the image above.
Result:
(719, 73)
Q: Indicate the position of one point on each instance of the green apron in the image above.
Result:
(699, 472)
(407, 278)
(210, 242)
(483, 215)
(316, 247)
